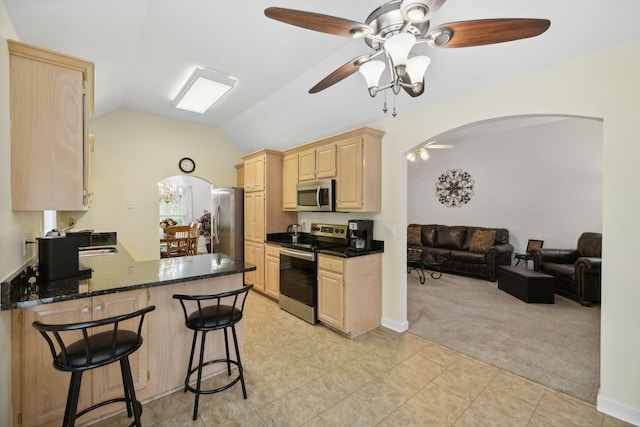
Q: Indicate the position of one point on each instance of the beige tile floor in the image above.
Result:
(303, 375)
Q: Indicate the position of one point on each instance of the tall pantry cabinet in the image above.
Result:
(263, 214)
(51, 101)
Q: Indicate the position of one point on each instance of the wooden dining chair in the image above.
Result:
(179, 240)
(195, 235)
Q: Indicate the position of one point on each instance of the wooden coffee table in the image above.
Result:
(424, 262)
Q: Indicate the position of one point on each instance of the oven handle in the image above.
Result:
(308, 256)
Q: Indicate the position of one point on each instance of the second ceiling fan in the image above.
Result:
(393, 29)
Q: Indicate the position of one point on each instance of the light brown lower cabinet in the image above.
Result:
(254, 254)
(350, 292)
(272, 271)
(158, 367)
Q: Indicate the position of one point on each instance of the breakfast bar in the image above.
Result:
(108, 285)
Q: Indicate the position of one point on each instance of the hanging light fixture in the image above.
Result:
(406, 72)
(169, 193)
(420, 152)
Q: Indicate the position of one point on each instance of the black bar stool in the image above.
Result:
(213, 312)
(93, 351)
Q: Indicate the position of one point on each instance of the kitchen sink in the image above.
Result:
(95, 251)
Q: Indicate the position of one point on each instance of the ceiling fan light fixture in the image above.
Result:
(398, 47)
(416, 67)
(371, 71)
(361, 32)
(423, 153)
(415, 10)
(411, 156)
(203, 89)
(441, 37)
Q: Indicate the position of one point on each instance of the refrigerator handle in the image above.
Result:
(218, 224)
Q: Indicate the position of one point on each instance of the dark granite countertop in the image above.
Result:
(113, 273)
(342, 251)
(351, 253)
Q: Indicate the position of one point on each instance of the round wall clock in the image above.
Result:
(186, 165)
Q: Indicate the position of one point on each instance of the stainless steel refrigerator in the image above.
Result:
(227, 222)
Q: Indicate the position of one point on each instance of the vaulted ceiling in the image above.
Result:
(144, 50)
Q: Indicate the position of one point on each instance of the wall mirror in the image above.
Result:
(184, 199)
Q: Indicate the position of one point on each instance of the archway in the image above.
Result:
(183, 199)
(526, 174)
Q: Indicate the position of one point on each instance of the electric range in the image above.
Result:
(299, 267)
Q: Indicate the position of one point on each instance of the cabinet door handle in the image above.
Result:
(85, 310)
(99, 307)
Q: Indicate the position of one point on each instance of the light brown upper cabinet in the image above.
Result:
(359, 178)
(289, 182)
(254, 174)
(352, 158)
(51, 101)
(240, 175)
(317, 163)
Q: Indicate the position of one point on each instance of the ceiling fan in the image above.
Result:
(423, 153)
(393, 29)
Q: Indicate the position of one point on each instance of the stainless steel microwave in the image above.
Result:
(317, 196)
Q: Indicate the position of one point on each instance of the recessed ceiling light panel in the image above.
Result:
(203, 89)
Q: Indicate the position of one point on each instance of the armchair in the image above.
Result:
(576, 272)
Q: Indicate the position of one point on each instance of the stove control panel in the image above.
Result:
(329, 230)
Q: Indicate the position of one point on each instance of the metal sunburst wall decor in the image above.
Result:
(454, 188)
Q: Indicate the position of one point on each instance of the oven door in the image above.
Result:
(298, 283)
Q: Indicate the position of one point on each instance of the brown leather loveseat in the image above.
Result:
(576, 272)
(471, 251)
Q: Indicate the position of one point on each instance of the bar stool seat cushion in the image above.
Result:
(214, 317)
(101, 347)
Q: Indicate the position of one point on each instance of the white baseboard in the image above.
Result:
(618, 410)
(395, 326)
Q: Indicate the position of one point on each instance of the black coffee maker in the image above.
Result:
(360, 234)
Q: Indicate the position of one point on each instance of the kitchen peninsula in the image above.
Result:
(111, 285)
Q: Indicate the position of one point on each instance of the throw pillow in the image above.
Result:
(482, 240)
(413, 235)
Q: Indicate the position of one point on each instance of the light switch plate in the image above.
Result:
(390, 230)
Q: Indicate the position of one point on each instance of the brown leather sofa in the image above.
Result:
(576, 272)
(470, 251)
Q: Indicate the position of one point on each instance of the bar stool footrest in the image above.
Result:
(216, 390)
(109, 402)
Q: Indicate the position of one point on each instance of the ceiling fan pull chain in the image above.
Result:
(394, 114)
(384, 108)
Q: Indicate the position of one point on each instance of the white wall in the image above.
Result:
(603, 85)
(540, 182)
(134, 151)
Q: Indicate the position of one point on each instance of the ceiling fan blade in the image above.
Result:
(317, 22)
(341, 73)
(486, 31)
(430, 146)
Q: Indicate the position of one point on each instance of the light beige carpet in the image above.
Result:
(556, 345)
